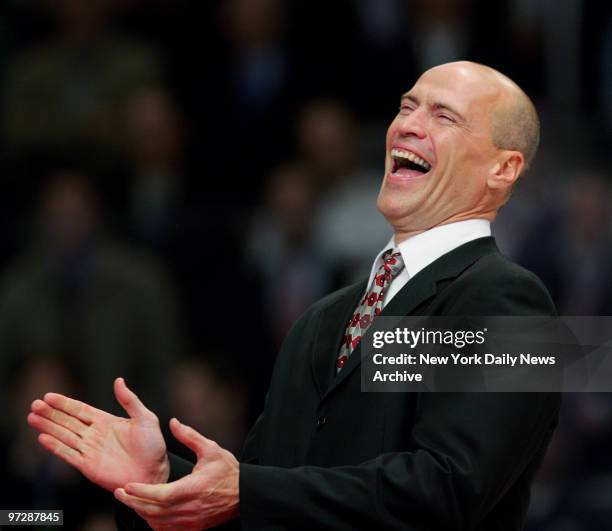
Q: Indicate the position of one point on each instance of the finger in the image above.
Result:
(159, 516)
(145, 508)
(130, 402)
(190, 437)
(82, 411)
(59, 449)
(62, 434)
(59, 417)
(162, 493)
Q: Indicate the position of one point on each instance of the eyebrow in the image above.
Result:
(436, 105)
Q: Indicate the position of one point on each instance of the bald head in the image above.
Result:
(463, 135)
(515, 125)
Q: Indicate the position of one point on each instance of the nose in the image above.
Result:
(413, 124)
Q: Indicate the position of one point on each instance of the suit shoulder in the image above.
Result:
(496, 268)
(498, 286)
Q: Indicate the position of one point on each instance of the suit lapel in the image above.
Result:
(419, 289)
(330, 329)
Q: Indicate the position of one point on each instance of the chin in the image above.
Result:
(392, 206)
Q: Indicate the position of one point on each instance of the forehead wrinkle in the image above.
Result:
(409, 96)
(437, 104)
(483, 91)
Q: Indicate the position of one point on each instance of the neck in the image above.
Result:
(401, 236)
(404, 233)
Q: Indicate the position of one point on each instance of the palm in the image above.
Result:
(109, 450)
(117, 451)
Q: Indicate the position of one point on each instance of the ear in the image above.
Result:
(506, 171)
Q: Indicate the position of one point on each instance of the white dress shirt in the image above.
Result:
(421, 250)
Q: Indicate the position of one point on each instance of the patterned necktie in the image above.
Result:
(371, 305)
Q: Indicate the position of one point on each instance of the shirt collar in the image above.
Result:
(421, 250)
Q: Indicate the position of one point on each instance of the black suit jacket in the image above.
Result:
(324, 455)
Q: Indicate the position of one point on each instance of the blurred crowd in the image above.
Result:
(183, 179)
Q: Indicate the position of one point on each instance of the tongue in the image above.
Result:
(408, 172)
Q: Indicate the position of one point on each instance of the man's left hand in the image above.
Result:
(207, 497)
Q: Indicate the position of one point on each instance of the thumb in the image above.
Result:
(189, 437)
(130, 402)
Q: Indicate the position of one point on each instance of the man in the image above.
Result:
(324, 455)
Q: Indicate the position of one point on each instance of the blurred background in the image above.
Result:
(175, 171)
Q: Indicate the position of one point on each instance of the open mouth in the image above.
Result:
(407, 163)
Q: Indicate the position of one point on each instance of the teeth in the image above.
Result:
(401, 154)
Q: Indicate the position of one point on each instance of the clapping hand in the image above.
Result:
(207, 497)
(110, 451)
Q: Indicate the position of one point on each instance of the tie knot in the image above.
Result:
(392, 262)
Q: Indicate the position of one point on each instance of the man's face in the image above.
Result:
(439, 150)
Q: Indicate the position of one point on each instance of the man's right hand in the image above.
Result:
(110, 451)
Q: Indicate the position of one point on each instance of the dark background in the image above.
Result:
(182, 179)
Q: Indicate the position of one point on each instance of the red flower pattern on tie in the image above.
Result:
(391, 264)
